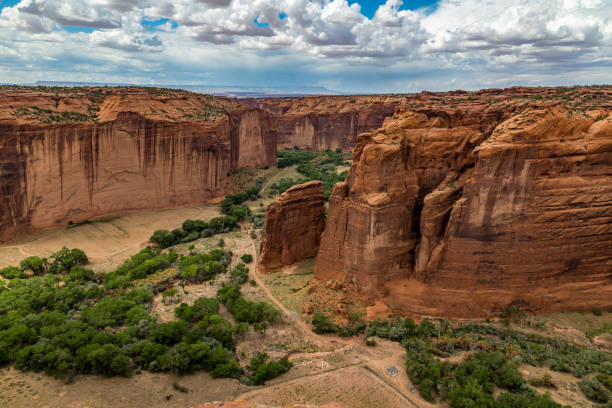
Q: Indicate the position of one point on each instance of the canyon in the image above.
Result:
(326, 122)
(457, 204)
(68, 155)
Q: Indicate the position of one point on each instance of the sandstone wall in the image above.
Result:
(293, 227)
(54, 174)
(463, 215)
(326, 122)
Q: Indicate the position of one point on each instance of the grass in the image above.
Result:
(291, 288)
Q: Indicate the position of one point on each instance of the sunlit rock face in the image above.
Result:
(293, 227)
(123, 150)
(464, 212)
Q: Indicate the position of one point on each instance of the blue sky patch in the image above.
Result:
(77, 29)
(8, 3)
(153, 25)
(258, 24)
(369, 7)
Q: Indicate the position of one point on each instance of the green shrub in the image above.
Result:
(12, 272)
(239, 274)
(34, 264)
(264, 371)
(594, 391)
(322, 324)
(606, 380)
(245, 310)
(543, 381)
(65, 259)
(247, 258)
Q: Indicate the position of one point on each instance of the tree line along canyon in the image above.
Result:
(287, 244)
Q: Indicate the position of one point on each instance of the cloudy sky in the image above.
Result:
(349, 46)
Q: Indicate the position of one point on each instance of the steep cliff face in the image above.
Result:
(293, 227)
(326, 122)
(464, 212)
(58, 167)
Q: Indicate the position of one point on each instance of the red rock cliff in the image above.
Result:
(293, 227)
(464, 212)
(72, 157)
(326, 122)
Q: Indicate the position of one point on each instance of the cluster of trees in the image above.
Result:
(194, 229)
(62, 261)
(288, 157)
(498, 352)
(245, 310)
(71, 323)
(239, 274)
(198, 268)
(139, 266)
(313, 166)
(322, 324)
(262, 370)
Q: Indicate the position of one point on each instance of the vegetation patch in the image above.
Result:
(312, 166)
(497, 353)
(58, 317)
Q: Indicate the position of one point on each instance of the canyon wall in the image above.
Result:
(52, 174)
(326, 122)
(465, 212)
(293, 227)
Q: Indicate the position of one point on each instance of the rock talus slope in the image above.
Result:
(73, 157)
(463, 214)
(293, 227)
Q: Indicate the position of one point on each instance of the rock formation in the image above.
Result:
(293, 227)
(464, 212)
(326, 122)
(86, 152)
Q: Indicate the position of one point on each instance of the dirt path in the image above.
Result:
(371, 360)
(290, 315)
(273, 179)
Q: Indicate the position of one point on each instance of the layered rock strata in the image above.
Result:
(85, 154)
(326, 122)
(293, 227)
(465, 212)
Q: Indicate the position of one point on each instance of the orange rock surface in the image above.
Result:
(293, 227)
(73, 154)
(326, 122)
(465, 211)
